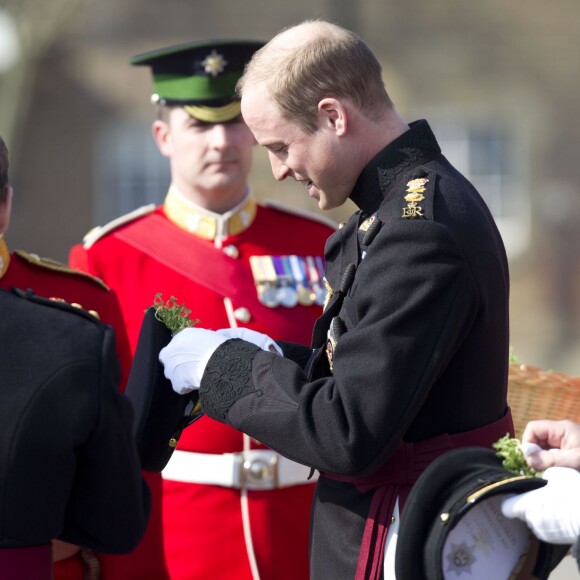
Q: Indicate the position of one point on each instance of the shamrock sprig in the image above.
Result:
(173, 314)
(510, 451)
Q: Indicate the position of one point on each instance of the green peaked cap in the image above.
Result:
(200, 76)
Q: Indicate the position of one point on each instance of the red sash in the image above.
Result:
(395, 479)
(192, 257)
(26, 563)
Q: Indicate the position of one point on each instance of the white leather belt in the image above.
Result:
(259, 469)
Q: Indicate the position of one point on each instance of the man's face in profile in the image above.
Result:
(313, 159)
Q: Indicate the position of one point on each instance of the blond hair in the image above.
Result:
(313, 60)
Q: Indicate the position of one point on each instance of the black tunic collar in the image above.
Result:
(414, 147)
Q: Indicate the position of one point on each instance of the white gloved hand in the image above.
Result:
(186, 356)
(553, 511)
(257, 338)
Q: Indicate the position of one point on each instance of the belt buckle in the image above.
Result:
(259, 469)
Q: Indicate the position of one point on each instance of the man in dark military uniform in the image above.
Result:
(70, 468)
(410, 356)
(48, 278)
(235, 263)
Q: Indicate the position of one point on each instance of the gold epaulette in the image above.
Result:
(55, 266)
(303, 213)
(99, 231)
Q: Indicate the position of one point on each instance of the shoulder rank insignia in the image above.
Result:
(74, 305)
(415, 190)
(53, 301)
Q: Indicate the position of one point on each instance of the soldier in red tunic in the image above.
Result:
(232, 508)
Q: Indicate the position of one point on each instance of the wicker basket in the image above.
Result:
(535, 393)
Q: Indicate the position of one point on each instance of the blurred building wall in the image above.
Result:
(498, 81)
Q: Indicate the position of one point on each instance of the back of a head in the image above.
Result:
(311, 61)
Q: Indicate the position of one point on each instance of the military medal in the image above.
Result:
(316, 273)
(265, 280)
(285, 291)
(289, 280)
(268, 296)
(287, 296)
(305, 295)
(313, 279)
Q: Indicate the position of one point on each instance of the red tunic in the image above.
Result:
(202, 524)
(53, 280)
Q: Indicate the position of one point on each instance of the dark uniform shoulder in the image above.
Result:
(48, 264)
(55, 304)
(99, 232)
(301, 213)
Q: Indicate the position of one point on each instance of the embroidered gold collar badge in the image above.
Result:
(415, 189)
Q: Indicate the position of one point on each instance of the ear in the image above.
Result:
(5, 210)
(162, 137)
(333, 115)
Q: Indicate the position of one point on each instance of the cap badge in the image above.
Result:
(214, 63)
(461, 558)
(415, 189)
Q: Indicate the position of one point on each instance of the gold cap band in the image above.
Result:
(214, 114)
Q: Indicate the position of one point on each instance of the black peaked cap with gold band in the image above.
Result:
(200, 76)
(452, 523)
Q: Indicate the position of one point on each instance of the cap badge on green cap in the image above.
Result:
(214, 63)
(200, 76)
